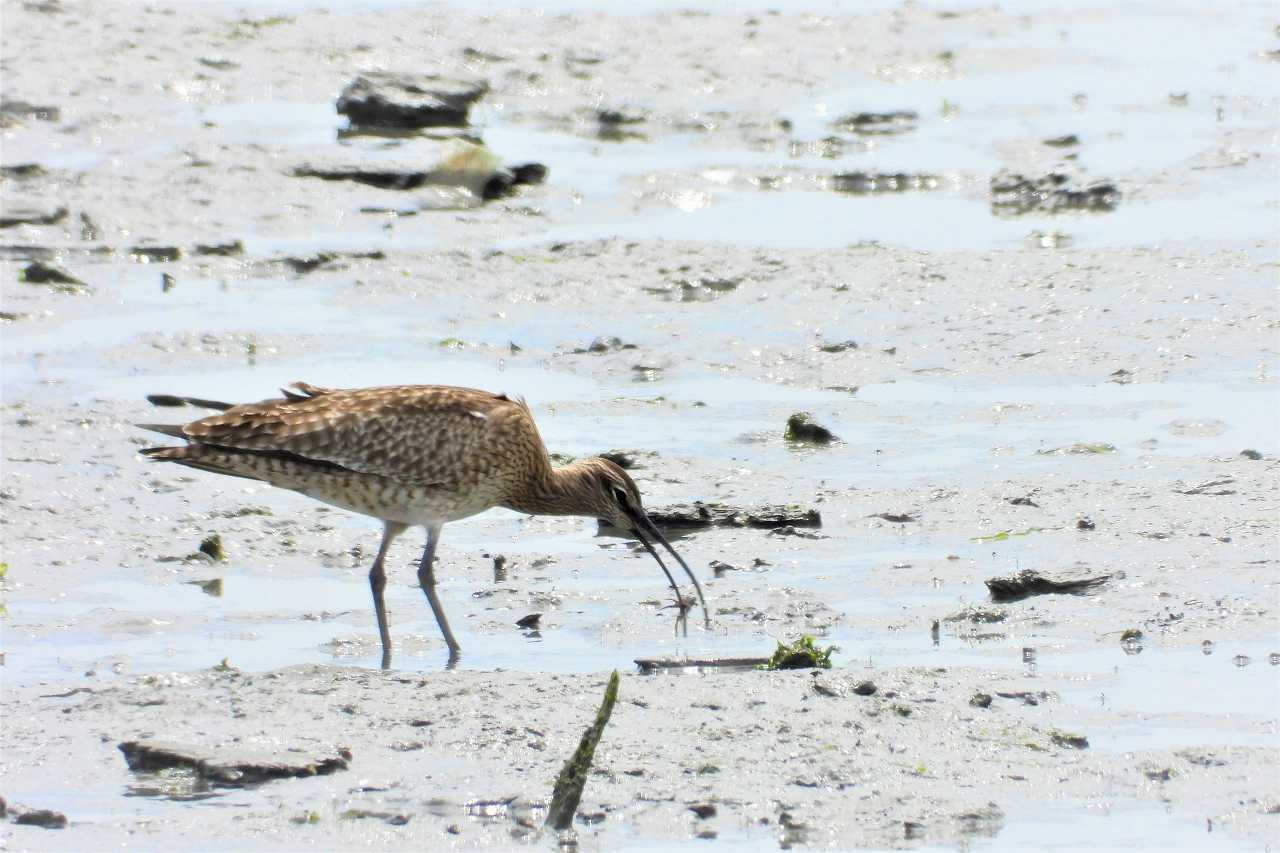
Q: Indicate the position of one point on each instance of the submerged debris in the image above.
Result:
(802, 654)
(1027, 583)
(1013, 194)
(573, 778)
(803, 429)
(231, 767)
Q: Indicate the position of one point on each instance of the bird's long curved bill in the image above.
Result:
(644, 526)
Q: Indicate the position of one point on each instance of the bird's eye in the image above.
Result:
(620, 495)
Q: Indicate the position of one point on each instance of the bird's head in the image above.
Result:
(616, 500)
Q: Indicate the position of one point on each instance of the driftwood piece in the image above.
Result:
(232, 767)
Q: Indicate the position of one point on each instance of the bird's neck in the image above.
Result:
(557, 491)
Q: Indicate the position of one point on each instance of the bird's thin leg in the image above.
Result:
(378, 582)
(427, 579)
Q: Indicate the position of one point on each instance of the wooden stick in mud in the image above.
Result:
(573, 778)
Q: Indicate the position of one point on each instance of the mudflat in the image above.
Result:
(1019, 265)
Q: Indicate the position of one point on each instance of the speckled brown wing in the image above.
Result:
(422, 435)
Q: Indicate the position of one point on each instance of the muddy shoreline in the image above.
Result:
(1020, 265)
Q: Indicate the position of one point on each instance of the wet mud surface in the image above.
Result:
(1053, 382)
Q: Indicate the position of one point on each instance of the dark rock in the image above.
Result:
(838, 347)
(859, 183)
(230, 767)
(802, 428)
(42, 273)
(701, 514)
(865, 688)
(1063, 141)
(22, 171)
(530, 621)
(386, 99)
(1013, 194)
(1085, 524)
(1024, 502)
(980, 700)
(42, 817)
(155, 254)
(1028, 583)
(877, 124)
(703, 810)
(234, 247)
(1251, 454)
(17, 212)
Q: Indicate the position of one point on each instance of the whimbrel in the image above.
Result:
(409, 455)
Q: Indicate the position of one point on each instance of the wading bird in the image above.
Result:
(409, 455)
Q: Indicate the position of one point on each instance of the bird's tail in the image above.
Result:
(233, 463)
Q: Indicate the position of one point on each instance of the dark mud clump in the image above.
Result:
(1028, 583)
(701, 514)
(387, 99)
(43, 818)
(1013, 194)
